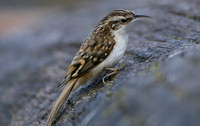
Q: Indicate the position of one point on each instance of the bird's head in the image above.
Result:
(119, 19)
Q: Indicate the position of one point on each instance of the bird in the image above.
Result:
(102, 50)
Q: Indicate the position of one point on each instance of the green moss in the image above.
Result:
(139, 121)
(179, 39)
(142, 72)
(111, 108)
(157, 72)
(155, 67)
(108, 88)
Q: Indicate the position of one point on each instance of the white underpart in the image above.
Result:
(121, 38)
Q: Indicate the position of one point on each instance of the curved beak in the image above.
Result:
(142, 16)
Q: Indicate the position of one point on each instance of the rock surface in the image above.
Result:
(161, 86)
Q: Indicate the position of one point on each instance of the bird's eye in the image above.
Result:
(123, 20)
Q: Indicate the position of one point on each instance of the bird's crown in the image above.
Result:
(117, 18)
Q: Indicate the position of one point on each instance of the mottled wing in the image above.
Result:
(92, 52)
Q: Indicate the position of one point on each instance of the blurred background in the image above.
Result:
(38, 40)
(19, 14)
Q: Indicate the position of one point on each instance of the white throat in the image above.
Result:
(121, 38)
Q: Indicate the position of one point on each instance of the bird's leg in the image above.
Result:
(115, 70)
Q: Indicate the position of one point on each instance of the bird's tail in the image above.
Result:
(64, 95)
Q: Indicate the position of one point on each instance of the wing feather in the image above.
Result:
(94, 50)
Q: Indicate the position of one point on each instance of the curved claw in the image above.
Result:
(110, 74)
(115, 70)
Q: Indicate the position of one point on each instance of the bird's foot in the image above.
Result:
(115, 70)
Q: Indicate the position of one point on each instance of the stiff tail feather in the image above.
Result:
(64, 95)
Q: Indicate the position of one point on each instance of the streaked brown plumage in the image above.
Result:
(103, 48)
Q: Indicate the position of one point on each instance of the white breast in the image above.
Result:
(121, 38)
